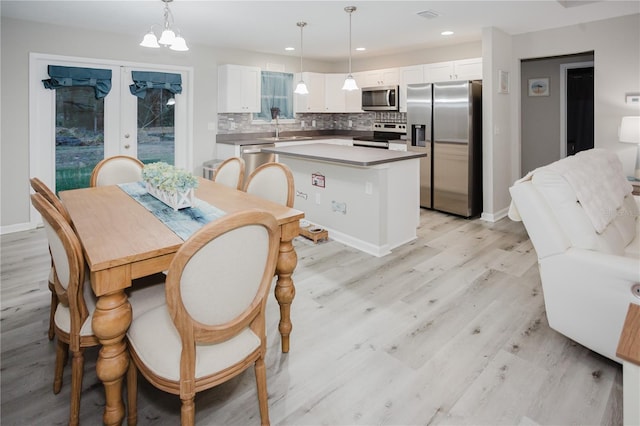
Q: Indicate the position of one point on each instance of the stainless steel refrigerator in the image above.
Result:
(445, 121)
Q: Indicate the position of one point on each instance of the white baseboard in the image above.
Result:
(494, 217)
(18, 227)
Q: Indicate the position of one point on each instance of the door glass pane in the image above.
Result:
(156, 131)
(79, 136)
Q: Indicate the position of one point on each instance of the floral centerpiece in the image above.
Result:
(169, 184)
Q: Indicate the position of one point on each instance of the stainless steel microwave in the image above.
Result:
(380, 98)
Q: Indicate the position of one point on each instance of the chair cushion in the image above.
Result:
(157, 343)
(63, 315)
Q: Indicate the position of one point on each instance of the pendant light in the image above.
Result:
(168, 38)
(350, 82)
(301, 88)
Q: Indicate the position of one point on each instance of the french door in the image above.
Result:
(71, 130)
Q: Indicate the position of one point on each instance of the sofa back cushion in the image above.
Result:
(578, 227)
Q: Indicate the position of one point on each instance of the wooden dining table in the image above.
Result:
(122, 241)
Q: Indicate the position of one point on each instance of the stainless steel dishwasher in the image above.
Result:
(254, 157)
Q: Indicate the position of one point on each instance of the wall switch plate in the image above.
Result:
(368, 188)
(317, 198)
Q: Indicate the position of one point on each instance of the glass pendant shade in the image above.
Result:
(179, 44)
(168, 37)
(350, 83)
(150, 40)
(301, 88)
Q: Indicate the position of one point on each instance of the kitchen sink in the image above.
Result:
(286, 138)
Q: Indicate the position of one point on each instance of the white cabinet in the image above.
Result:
(314, 101)
(465, 69)
(383, 77)
(326, 94)
(409, 75)
(238, 88)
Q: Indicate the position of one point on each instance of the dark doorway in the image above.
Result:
(579, 109)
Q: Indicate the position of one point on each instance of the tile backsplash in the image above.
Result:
(243, 123)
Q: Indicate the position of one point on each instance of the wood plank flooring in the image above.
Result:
(447, 330)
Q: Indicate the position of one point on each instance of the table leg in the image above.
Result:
(111, 320)
(285, 290)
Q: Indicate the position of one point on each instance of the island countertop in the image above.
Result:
(350, 155)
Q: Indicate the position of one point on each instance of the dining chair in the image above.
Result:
(76, 301)
(41, 188)
(115, 170)
(273, 181)
(230, 172)
(212, 326)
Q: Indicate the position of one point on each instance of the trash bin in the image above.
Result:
(209, 168)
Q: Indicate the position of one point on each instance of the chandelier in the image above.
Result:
(168, 38)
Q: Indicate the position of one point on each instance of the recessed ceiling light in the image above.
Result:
(289, 48)
(361, 49)
(446, 33)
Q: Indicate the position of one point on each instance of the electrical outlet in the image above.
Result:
(301, 195)
(313, 123)
(302, 124)
(350, 123)
(339, 207)
(317, 198)
(232, 125)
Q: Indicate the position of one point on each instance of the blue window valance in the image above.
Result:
(143, 80)
(99, 79)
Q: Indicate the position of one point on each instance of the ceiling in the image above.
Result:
(382, 27)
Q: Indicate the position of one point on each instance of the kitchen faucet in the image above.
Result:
(275, 111)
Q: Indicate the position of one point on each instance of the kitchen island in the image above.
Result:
(367, 198)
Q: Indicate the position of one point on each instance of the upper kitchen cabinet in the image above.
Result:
(464, 69)
(384, 77)
(238, 88)
(326, 94)
(409, 75)
(314, 101)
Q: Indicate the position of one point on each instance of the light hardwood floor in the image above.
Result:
(449, 329)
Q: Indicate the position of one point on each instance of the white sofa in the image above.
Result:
(583, 222)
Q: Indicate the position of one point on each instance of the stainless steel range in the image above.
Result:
(382, 134)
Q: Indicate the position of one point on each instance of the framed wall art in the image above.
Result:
(539, 86)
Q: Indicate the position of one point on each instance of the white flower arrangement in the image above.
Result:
(168, 178)
(173, 186)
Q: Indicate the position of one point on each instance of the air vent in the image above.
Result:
(429, 14)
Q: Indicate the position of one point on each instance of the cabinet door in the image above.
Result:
(238, 89)
(383, 77)
(468, 69)
(409, 75)
(314, 101)
(438, 71)
(335, 97)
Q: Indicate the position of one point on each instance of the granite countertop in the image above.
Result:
(351, 155)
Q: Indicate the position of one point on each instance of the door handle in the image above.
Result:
(127, 146)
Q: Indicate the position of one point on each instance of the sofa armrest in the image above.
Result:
(610, 265)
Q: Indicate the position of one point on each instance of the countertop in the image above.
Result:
(351, 155)
(264, 141)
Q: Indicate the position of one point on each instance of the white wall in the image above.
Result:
(616, 46)
(19, 38)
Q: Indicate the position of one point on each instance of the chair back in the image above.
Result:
(68, 261)
(115, 170)
(42, 189)
(230, 172)
(217, 284)
(273, 181)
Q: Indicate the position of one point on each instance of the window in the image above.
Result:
(277, 92)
